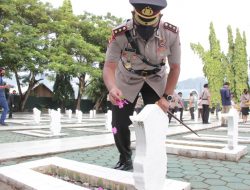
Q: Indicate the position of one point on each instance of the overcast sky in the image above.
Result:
(191, 16)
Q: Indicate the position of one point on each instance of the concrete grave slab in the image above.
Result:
(204, 150)
(32, 175)
(39, 133)
(221, 138)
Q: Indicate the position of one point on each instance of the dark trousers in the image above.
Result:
(181, 113)
(191, 110)
(4, 105)
(205, 113)
(120, 120)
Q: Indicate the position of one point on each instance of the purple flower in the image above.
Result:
(121, 103)
(100, 188)
(114, 130)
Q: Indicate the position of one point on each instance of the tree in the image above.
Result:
(219, 67)
(213, 65)
(23, 41)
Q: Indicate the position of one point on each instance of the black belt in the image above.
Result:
(144, 73)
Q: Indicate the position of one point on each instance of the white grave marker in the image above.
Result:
(150, 163)
(232, 124)
(91, 114)
(37, 115)
(108, 124)
(55, 124)
(79, 116)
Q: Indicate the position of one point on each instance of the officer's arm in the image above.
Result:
(109, 75)
(173, 77)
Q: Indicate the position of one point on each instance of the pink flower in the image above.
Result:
(100, 188)
(121, 103)
(114, 130)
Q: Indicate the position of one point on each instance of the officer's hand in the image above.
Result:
(115, 95)
(163, 103)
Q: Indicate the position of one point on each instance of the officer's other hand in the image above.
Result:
(115, 95)
(163, 103)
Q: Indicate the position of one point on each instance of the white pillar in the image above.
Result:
(108, 124)
(232, 127)
(55, 122)
(36, 115)
(91, 114)
(150, 163)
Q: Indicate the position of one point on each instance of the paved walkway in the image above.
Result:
(98, 148)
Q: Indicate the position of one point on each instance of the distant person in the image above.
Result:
(199, 106)
(180, 104)
(205, 101)
(3, 100)
(191, 105)
(11, 102)
(173, 108)
(226, 102)
(244, 104)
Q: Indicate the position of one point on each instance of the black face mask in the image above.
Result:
(145, 31)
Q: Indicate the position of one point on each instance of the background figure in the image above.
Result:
(205, 101)
(226, 102)
(191, 105)
(244, 104)
(173, 107)
(199, 105)
(11, 103)
(3, 101)
(180, 104)
(139, 104)
(135, 63)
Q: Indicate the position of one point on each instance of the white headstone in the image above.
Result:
(232, 126)
(219, 117)
(91, 114)
(70, 113)
(79, 116)
(196, 115)
(55, 123)
(108, 124)
(94, 113)
(150, 163)
(37, 115)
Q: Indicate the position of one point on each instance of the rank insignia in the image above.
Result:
(119, 30)
(170, 27)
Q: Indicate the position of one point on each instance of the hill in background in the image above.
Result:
(192, 83)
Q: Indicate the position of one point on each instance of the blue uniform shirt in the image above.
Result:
(225, 96)
(2, 90)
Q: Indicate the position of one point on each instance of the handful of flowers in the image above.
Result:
(121, 103)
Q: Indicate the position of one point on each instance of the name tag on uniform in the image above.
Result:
(130, 50)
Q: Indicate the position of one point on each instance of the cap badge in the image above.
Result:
(147, 11)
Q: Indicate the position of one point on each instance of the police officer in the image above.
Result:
(3, 101)
(136, 59)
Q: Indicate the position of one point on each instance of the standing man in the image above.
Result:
(205, 101)
(135, 63)
(226, 102)
(3, 101)
(180, 104)
(191, 105)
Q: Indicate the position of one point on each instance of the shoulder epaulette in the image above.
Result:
(171, 27)
(119, 30)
